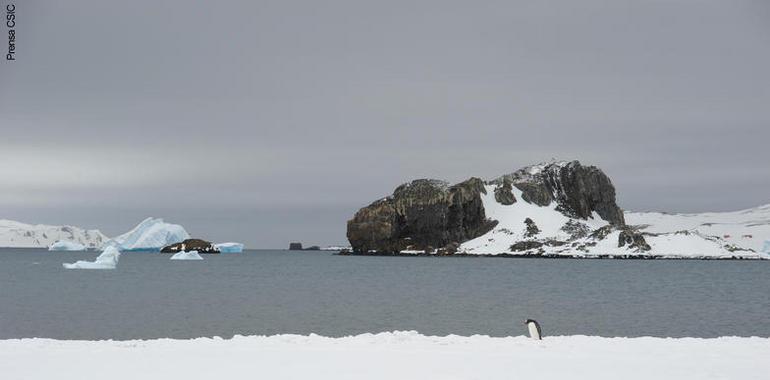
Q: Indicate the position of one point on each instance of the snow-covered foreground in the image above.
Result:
(397, 355)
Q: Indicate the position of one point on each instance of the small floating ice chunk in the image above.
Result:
(191, 255)
(65, 245)
(229, 247)
(107, 260)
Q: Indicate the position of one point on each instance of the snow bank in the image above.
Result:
(396, 355)
(151, 234)
(64, 245)
(191, 255)
(229, 247)
(107, 260)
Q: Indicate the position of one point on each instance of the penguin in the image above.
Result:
(534, 329)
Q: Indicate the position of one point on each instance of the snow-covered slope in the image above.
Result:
(746, 228)
(150, 235)
(16, 234)
(738, 234)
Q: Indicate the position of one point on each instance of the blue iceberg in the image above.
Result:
(229, 247)
(151, 234)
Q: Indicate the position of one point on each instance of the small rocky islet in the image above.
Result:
(187, 245)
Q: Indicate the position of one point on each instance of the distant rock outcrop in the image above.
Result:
(556, 209)
(201, 246)
(633, 239)
(428, 213)
(420, 214)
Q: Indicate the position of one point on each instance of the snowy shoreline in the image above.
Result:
(400, 354)
(759, 257)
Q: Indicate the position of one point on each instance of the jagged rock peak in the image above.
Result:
(579, 190)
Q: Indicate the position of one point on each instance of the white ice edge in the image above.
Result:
(388, 355)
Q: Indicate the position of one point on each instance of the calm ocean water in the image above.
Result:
(271, 292)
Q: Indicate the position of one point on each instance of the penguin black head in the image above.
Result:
(534, 329)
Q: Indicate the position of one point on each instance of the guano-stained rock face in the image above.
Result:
(420, 214)
(426, 213)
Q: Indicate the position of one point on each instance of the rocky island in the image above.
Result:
(199, 245)
(557, 209)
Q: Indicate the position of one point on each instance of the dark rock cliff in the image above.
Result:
(422, 214)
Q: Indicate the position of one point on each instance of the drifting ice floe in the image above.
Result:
(152, 234)
(229, 247)
(107, 260)
(64, 245)
(192, 255)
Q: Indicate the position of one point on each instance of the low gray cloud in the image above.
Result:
(272, 121)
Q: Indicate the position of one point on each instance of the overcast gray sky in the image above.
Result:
(270, 121)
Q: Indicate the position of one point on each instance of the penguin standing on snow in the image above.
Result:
(534, 329)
